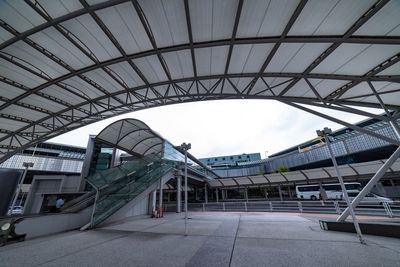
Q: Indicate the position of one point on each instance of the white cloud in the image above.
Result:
(225, 127)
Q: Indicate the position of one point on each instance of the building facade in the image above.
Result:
(56, 171)
(349, 146)
(230, 160)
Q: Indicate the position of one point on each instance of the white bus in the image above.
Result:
(333, 191)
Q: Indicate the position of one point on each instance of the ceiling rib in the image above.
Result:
(101, 107)
(271, 54)
(357, 25)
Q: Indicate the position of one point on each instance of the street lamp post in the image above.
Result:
(325, 133)
(21, 181)
(186, 147)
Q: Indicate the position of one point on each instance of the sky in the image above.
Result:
(225, 127)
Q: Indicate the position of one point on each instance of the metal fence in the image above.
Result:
(331, 207)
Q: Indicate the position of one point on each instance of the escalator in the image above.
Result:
(118, 186)
(79, 203)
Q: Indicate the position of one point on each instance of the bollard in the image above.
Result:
(270, 206)
(245, 206)
(223, 206)
(204, 207)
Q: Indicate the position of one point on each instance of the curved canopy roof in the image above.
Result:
(65, 64)
(132, 136)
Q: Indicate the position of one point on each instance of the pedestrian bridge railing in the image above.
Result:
(332, 207)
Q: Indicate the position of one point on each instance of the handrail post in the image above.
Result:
(300, 206)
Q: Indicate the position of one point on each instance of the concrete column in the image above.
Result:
(322, 192)
(205, 193)
(223, 194)
(113, 158)
(280, 192)
(160, 202)
(216, 194)
(154, 200)
(178, 194)
(290, 192)
(246, 194)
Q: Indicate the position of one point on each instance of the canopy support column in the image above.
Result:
(178, 194)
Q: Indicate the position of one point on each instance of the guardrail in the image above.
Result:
(382, 209)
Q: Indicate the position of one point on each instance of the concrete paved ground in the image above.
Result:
(214, 239)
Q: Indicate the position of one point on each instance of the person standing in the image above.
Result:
(59, 203)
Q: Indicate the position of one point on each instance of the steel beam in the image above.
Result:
(271, 54)
(357, 25)
(351, 126)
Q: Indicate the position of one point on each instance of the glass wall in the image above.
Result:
(172, 154)
(44, 164)
(350, 142)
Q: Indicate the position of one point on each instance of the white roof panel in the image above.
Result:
(303, 56)
(211, 60)
(276, 177)
(367, 167)
(294, 176)
(9, 91)
(228, 182)
(299, 89)
(105, 80)
(151, 68)
(167, 21)
(343, 15)
(80, 86)
(356, 59)
(5, 35)
(126, 73)
(18, 74)
(56, 43)
(85, 29)
(368, 59)
(161, 53)
(243, 180)
(325, 87)
(179, 64)
(315, 174)
(248, 58)
(19, 15)
(35, 58)
(359, 89)
(265, 18)
(344, 170)
(132, 136)
(23, 112)
(44, 103)
(258, 179)
(58, 8)
(212, 19)
(385, 22)
(124, 23)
